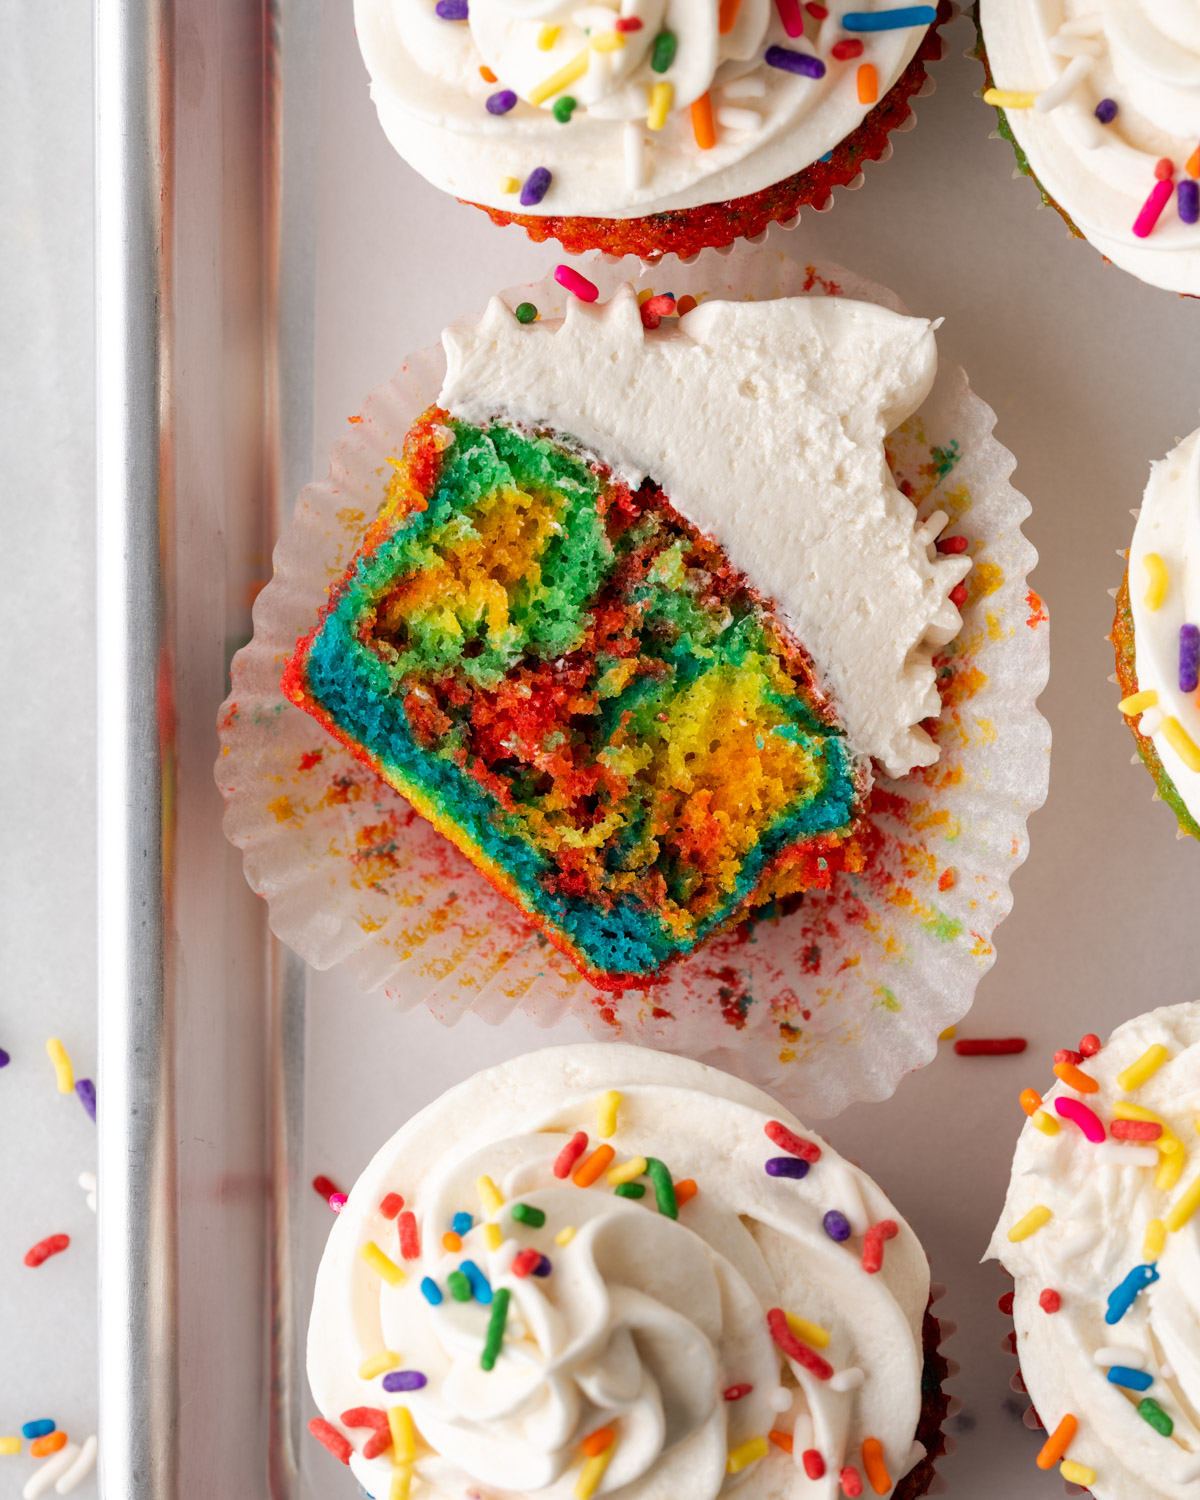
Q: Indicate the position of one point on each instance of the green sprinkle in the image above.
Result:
(495, 1333)
(630, 1190)
(664, 51)
(526, 312)
(664, 1188)
(1150, 1411)
(534, 1217)
(460, 1287)
(564, 108)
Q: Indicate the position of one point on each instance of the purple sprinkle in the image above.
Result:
(1106, 111)
(544, 1267)
(501, 102)
(795, 62)
(404, 1380)
(1189, 658)
(537, 185)
(86, 1090)
(786, 1166)
(836, 1225)
(1187, 199)
(452, 10)
(4, 1058)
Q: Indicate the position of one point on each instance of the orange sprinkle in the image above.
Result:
(51, 1443)
(782, 1440)
(1058, 1442)
(685, 1191)
(1074, 1079)
(685, 304)
(1031, 1101)
(590, 1169)
(868, 92)
(451, 1242)
(728, 15)
(487, 75)
(1193, 163)
(872, 1456)
(598, 1442)
(702, 123)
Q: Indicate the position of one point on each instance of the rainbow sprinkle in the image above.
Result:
(1122, 1297)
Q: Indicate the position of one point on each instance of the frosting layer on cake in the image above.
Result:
(645, 1319)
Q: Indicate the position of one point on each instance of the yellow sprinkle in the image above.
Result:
(10, 1445)
(1138, 703)
(661, 97)
(378, 1364)
(401, 1486)
(1157, 580)
(379, 1262)
(627, 1171)
(565, 1236)
(948, 1035)
(1179, 740)
(1146, 1066)
(1185, 1207)
(1156, 1237)
(547, 37)
(490, 1196)
(493, 1237)
(808, 1333)
(608, 41)
(645, 294)
(1047, 1124)
(565, 76)
(510, 184)
(746, 1454)
(1030, 1224)
(1169, 1172)
(404, 1441)
(62, 1066)
(1075, 1473)
(593, 1472)
(606, 1114)
(1008, 99)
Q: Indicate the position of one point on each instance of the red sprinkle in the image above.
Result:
(958, 595)
(787, 1141)
(329, 1437)
(953, 544)
(1065, 1055)
(814, 1464)
(627, 23)
(1164, 169)
(998, 1046)
(570, 1154)
(325, 1187)
(526, 1262)
(1005, 1304)
(1050, 1301)
(410, 1240)
(53, 1245)
(787, 1341)
(736, 1392)
(391, 1205)
(655, 309)
(365, 1416)
(845, 50)
(851, 1481)
(1089, 1045)
(377, 1443)
(873, 1242)
(782, 1440)
(1135, 1130)
(817, 12)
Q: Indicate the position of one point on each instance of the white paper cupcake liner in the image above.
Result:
(824, 1006)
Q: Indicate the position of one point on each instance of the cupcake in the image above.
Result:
(554, 1282)
(1101, 102)
(1156, 632)
(644, 126)
(1099, 1232)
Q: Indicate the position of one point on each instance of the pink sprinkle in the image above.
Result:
(1160, 196)
(789, 14)
(570, 1154)
(1087, 1120)
(337, 1201)
(410, 1240)
(585, 290)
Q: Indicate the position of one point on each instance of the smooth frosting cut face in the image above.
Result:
(653, 1326)
(630, 146)
(1168, 528)
(1144, 57)
(1120, 1213)
(764, 424)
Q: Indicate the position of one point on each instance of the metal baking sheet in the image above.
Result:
(265, 260)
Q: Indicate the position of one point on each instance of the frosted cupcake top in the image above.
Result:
(1103, 97)
(1164, 595)
(1100, 1230)
(600, 1268)
(626, 107)
(764, 424)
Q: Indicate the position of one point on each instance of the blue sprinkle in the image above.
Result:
(461, 1224)
(1106, 111)
(803, 63)
(537, 185)
(786, 1166)
(86, 1090)
(836, 1225)
(480, 1285)
(452, 10)
(431, 1292)
(404, 1380)
(889, 20)
(1122, 1298)
(43, 1427)
(501, 102)
(1187, 200)
(543, 1268)
(827, 157)
(1136, 1380)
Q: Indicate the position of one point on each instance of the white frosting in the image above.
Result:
(431, 98)
(1100, 1212)
(1144, 55)
(1169, 525)
(644, 1321)
(764, 425)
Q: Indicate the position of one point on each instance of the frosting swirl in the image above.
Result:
(1123, 1254)
(616, 1316)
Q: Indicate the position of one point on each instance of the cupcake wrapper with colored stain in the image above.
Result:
(688, 231)
(823, 999)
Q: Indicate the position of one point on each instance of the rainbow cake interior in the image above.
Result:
(575, 687)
